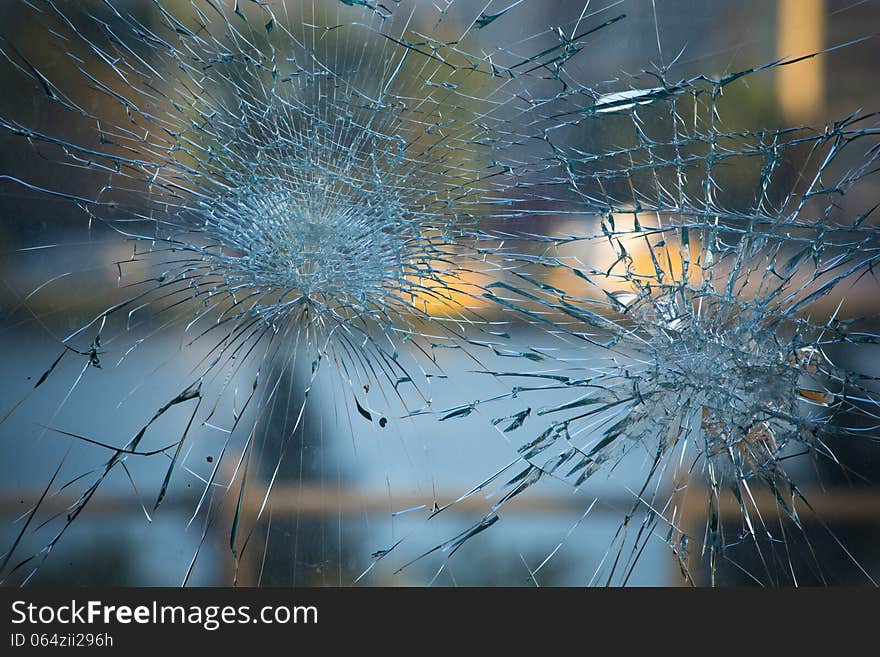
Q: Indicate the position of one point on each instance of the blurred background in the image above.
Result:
(348, 494)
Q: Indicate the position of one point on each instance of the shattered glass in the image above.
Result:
(330, 288)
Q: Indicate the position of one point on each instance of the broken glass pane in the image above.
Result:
(336, 292)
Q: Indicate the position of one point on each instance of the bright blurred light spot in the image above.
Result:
(801, 86)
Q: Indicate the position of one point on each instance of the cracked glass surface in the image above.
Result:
(324, 293)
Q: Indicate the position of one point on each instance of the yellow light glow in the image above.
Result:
(449, 294)
(655, 259)
(801, 86)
